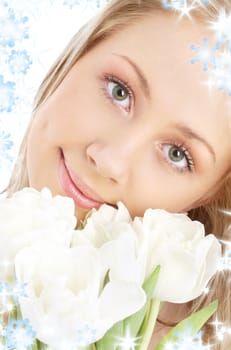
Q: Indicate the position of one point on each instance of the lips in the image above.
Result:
(75, 188)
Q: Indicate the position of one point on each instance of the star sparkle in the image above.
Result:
(128, 342)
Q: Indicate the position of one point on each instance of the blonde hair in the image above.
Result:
(115, 16)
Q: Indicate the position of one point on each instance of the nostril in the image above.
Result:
(112, 180)
(91, 160)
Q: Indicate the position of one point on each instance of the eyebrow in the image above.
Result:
(142, 79)
(188, 132)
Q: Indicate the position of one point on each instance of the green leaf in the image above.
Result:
(111, 337)
(148, 325)
(132, 323)
(190, 326)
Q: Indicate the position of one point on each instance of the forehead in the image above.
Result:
(160, 45)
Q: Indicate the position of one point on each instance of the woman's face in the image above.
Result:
(133, 122)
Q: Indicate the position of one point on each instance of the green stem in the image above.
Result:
(149, 324)
(90, 347)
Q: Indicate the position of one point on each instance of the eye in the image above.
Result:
(178, 157)
(118, 92)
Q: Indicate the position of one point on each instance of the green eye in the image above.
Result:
(175, 154)
(178, 157)
(119, 93)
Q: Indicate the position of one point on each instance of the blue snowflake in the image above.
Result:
(71, 3)
(4, 288)
(86, 336)
(6, 303)
(18, 289)
(12, 29)
(100, 3)
(5, 145)
(205, 54)
(222, 72)
(19, 335)
(7, 95)
(187, 341)
(3, 3)
(19, 62)
(173, 4)
(179, 4)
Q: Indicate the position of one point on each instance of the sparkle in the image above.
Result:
(127, 342)
(206, 290)
(210, 83)
(222, 26)
(216, 324)
(180, 5)
(220, 329)
(185, 11)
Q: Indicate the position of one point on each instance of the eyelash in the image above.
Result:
(111, 78)
(186, 151)
(182, 147)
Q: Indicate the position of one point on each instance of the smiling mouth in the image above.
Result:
(75, 188)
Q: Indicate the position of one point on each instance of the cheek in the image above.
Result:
(72, 115)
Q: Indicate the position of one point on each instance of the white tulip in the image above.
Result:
(187, 257)
(132, 249)
(66, 302)
(30, 215)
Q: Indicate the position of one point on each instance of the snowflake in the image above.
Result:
(18, 290)
(173, 4)
(222, 27)
(180, 4)
(5, 297)
(3, 7)
(205, 54)
(5, 288)
(5, 142)
(187, 341)
(86, 336)
(19, 62)
(222, 72)
(225, 260)
(12, 29)
(19, 334)
(71, 3)
(7, 95)
(100, 3)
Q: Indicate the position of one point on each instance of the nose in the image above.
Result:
(110, 161)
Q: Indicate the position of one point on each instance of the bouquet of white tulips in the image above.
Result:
(99, 287)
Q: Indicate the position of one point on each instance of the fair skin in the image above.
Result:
(121, 149)
(131, 149)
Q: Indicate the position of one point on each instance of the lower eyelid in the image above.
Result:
(112, 78)
(174, 167)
